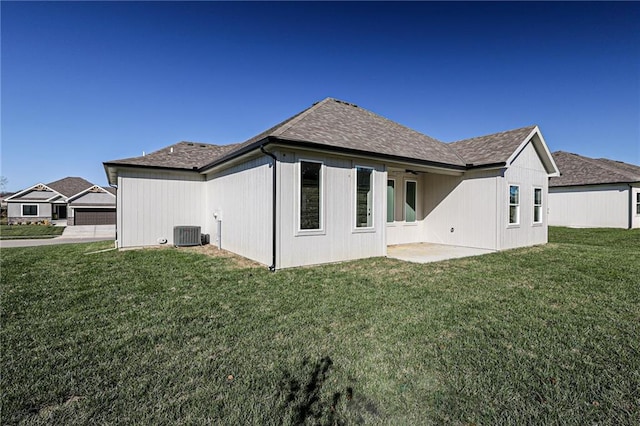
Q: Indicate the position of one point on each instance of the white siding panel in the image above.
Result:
(635, 215)
(151, 203)
(461, 210)
(528, 172)
(242, 197)
(594, 206)
(339, 241)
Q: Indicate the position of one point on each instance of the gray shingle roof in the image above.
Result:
(578, 170)
(491, 149)
(340, 125)
(70, 185)
(183, 155)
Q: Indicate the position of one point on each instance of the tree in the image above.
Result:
(3, 184)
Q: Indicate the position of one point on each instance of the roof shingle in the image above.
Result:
(336, 124)
(491, 149)
(183, 155)
(578, 170)
(70, 185)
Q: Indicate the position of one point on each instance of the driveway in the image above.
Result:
(90, 231)
(71, 235)
(428, 252)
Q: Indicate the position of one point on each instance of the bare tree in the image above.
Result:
(3, 184)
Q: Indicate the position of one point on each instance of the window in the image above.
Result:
(29, 210)
(410, 201)
(637, 202)
(514, 204)
(310, 195)
(391, 201)
(537, 205)
(364, 197)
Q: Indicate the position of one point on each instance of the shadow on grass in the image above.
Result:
(307, 399)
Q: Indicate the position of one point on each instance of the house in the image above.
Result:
(338, 182)
(72, 199)
(594, 193)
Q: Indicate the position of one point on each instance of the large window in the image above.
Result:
(514, 204)
(364, 197)
(410, 201)
(637, 202)
(310, 195)
(29, 210)
(537, 205)
(391, 201)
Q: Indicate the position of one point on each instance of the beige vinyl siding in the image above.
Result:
(151, 203)
(528, 172)
(593, 206)
(461, 210)
(241, 196)
(339, 239)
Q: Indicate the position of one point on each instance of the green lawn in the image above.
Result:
(29, 231)
(542, 335)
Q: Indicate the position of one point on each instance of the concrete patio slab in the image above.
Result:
(428, 252)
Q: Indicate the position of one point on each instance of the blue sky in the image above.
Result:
(87, 82)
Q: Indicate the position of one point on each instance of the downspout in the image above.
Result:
(272, 268)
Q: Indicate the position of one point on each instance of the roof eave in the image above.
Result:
(111, 169)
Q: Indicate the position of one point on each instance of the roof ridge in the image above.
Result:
(599, 162)
(288, 124)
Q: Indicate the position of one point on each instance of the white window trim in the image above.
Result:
(404, 205)
(354, 213)
(637, 203)
(321, 230)
(29, 215)
(533, 218)
(517, 223)
(395, 188)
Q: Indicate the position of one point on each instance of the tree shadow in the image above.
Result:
(305, 399)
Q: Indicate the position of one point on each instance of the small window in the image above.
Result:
(537, 205)
(310, 195)
(391, 201)
(638, 203)
(410, 201)
(364, 197)
(29, 210)
(514, 204)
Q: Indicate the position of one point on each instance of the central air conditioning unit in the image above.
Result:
(184, 236)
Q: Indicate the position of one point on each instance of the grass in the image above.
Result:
(541, 335)
(29, 231)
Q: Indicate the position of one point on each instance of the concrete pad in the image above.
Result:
(90, 231)
(428, 252)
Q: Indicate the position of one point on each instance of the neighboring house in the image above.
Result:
(73, 199)
(337, 182)
(594, 193)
